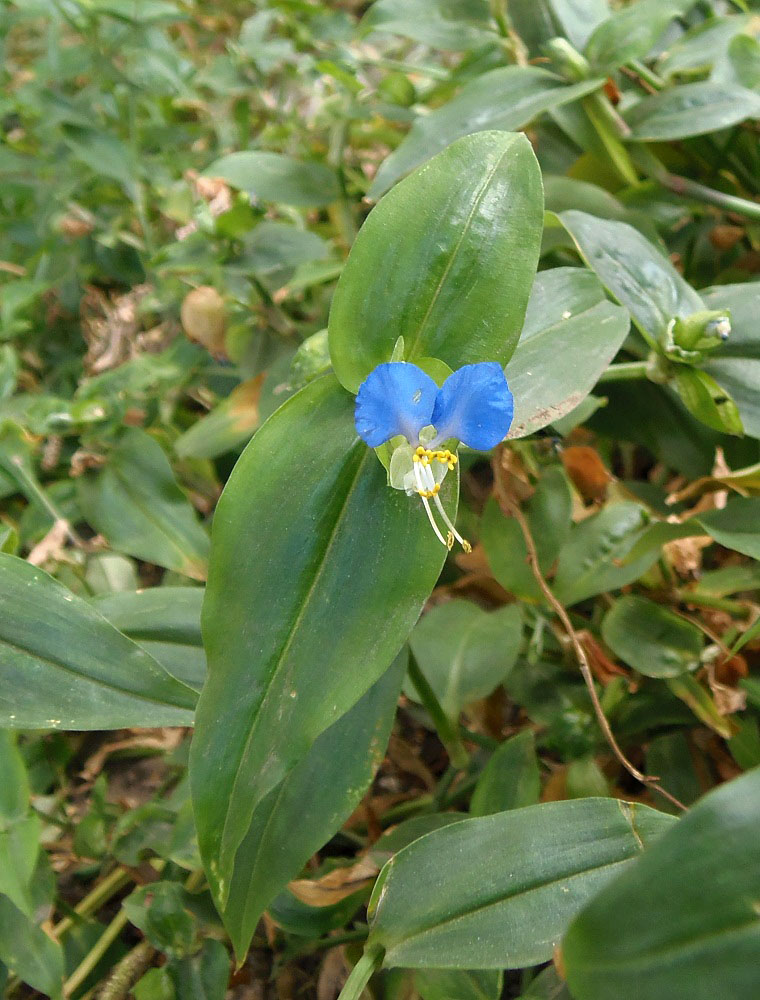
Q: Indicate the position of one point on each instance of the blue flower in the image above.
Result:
(398, 400)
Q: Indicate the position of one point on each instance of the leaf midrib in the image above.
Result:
(412, 351)
(286, 646)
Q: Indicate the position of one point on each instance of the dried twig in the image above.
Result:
(511, 507)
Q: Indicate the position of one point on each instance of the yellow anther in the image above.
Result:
(420, 450)
(466, 545)
(449, 541)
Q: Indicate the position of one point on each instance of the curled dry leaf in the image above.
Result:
(336, 885)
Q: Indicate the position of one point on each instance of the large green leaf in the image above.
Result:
(736, 364)
(29, 952)
(633, 271)
(567, 315)
(692, 109)
(681, 922)
(274, 177)
(593, 559)
(446, 261)
(167, 622)
(510, 779)
(63, 666)
(302, 813)
(650, 638)
(498, 891)
(464, 651)
(135, 502)
(318, 572)
(506, 99)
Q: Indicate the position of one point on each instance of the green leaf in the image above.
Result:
(203, 975)
(465, 652)
(103, 153)
(691, 109)
(301, 814)
(134, 501)
(669, 756)
(591, 561)
(549, 513)
(165, 621)
(498, 891)
(446, 261)
(742, 65)
(709, 403)
(633, 271)
(442, 24)
(630, 33)
(278, 178)
(19, 829)
(681, 922)
(229, 424)
(510, 779)
(538, 21)
(577, 19)
(305, 606)
(701, 46)
(546, 986)
(567, 313)
(698, 698)
(737, 525)
(458, 984)
(735, 365)
(29, 952)
(505, 99)
(62, 665)
(651, 639)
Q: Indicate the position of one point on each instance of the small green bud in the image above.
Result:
(568, 61)
(703, 330)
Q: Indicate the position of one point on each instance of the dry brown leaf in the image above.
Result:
(165, 739)
(602, 667)
(684, 555)
(336, 885)
(51, 547)
(587, 472)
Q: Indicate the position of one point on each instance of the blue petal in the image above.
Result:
(475, 406)
(395, 398)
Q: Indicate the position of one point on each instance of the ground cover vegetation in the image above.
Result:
(444, 690)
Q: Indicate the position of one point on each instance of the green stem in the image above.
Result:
(627, 371)
(361, 974)
(102, 892)
(647, 74)
(610, 128)
(95, 954)
(728, 202)
(688, 188)
(348, 937)
(447, 730)
(734, 608)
